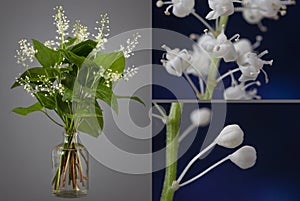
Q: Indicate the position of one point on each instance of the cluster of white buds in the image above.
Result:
(25, 53)
(42, 84)
(51, 44)
(102, 31)
(80, 32)
(61, 22)
(130, 72)
(111, 77)
(131, 44)
(230, 137)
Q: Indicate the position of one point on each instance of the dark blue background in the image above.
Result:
(273, 129)
(281, 39)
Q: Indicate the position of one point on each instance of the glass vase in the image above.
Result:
(70, 162)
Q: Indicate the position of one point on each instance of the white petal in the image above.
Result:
(245, 157)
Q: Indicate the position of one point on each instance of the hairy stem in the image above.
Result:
(173, 126)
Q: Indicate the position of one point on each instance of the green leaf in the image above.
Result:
(73, 58)
(46, 56)
(34, 73)
(62, 107)
(107, 95)
(114, 61)
(91, 122)
(27, 110)
(135, 98)
(84, 48)
(46, 100)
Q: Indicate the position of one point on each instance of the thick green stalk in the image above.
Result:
(215, 63)
(173, 125)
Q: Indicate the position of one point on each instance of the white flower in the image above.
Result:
(256, 10)
(245, 157)
(201, 117)
(221, 47)
(238, 92)
(177, 61)
(220, 8)
(242, 47)
(271, 8)
(200, 59)
(180, 8)
(231, 136)
(252, 16)
(251, 64)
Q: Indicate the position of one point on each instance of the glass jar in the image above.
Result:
(70, 162)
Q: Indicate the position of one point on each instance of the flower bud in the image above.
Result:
(245, 157)
(231, 136)
(201, 117)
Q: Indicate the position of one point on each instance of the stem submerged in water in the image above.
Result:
(70, 166)
(173, 126)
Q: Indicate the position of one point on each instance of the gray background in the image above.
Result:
(26, 143)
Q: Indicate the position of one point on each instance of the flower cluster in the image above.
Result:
(130, 45)
(25, 53)
(130, 72)
(102, 31)
(41, 84)
(203, 61)
(61, 22)
(80, 32)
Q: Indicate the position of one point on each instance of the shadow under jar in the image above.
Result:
(70, 162)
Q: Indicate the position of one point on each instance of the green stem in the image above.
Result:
(173, 126)
(215, 63)
(52, 119)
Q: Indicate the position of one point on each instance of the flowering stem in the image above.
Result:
(171, 151)
(215, 63)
